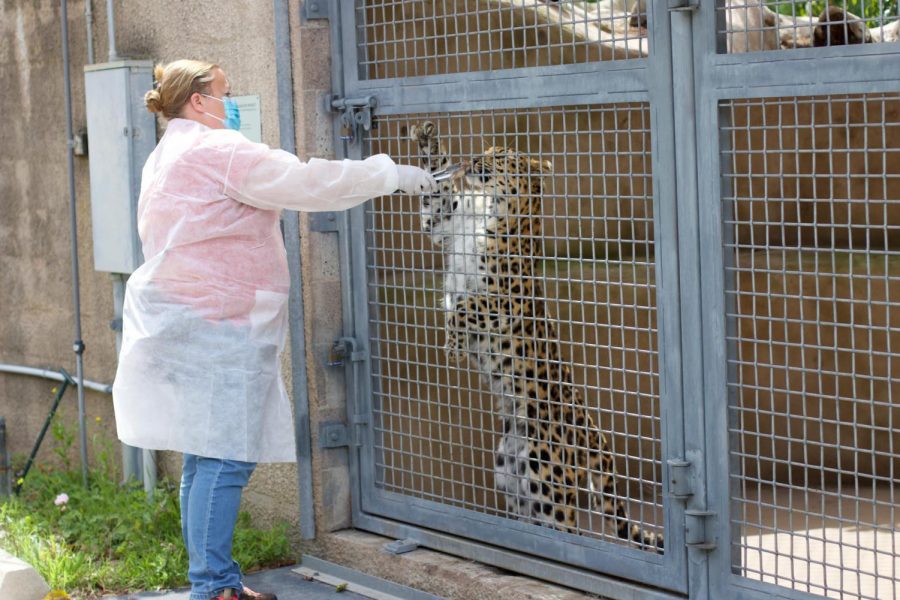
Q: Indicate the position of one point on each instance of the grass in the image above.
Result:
(108, 538)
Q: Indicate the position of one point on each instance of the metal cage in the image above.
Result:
(716, 248)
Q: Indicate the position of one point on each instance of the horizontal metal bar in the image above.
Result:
(104, 388)
(868, 68)
(562, 574)
(370, 582)
(742, 588)
(594, 83)
(570, 549)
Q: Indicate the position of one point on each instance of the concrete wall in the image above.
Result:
(35, 276)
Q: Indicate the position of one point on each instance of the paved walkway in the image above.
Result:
(283, 582)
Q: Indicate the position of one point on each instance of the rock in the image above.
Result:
(19, 580)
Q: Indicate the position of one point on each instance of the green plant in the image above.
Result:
(874, 11)
(109, 538)
(65, 438)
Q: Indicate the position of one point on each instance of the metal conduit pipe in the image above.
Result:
(78, 344)
(103, 388)
(132, 469)
(89, 26)
(111, 29)
(135, 461)
(296, 315)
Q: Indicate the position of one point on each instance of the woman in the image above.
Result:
(206, 314)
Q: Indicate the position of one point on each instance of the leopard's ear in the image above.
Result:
(540, 166)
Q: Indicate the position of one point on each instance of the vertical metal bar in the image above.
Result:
(345, 73)
(736, 435)
(667, 196)
(78, 344)
(5, 475)
(296, 313)
(60, 392)
(694, 313)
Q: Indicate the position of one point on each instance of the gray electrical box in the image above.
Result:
(121, 135)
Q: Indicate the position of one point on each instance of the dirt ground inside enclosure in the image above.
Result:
(421, 37)
(598, 200)
(816, 400)
(817, 366)
(819, 171)
(437, 422)
(836, 541)
(815, 360)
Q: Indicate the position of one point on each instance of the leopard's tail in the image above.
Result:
(614, 510)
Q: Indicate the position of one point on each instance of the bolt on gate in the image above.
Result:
(693, 253)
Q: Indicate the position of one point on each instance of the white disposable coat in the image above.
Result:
(205, 316)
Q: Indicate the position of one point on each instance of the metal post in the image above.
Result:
(111, 28)
(60, 392)
(78, 344)
(89, 25)
(296, 317)
(4, 461)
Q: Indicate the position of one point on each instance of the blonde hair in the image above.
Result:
(176, 82)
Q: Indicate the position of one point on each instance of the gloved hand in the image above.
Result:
(413, 180)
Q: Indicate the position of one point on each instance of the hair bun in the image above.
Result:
(153, 101)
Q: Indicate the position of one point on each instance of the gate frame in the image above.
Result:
(719, 76)
(646, 80)
(684, 80)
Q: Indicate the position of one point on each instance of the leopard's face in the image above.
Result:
(509, 179)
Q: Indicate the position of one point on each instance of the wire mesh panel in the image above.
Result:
(755, 25)
(812, 244)
(568, 346)
(403, 38)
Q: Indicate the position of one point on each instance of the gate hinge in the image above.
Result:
(314, 9)
(335, 434)
(345, 348)
(680, 486)
(698, 529)
(355, 113)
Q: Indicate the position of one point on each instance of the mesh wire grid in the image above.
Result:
(754, 25)
(399, 38)
(436, 422)
(812, 222)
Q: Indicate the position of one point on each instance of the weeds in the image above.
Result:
(109, 538)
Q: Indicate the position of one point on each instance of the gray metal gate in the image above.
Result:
(718, 255)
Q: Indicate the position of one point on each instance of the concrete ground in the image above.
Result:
(283, 582)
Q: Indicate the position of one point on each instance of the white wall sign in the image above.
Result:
(251, 120)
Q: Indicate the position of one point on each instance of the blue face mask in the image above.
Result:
(232, 118)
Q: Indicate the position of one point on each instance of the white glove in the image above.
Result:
(413, 180)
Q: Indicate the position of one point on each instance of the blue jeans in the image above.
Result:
(210, 498)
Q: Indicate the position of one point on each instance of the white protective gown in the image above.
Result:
(206, 314)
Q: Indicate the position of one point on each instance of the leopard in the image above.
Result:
(487, 221)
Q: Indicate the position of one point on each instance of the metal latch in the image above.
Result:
(355, 113)
(344, 348)
(698, 532)
(683, 5)
(680, 479)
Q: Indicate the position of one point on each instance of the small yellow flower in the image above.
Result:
(57, 595)
(98, 419)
